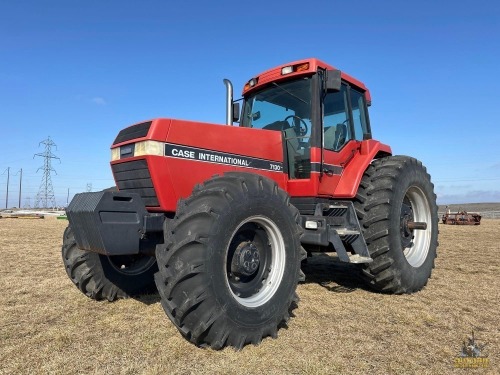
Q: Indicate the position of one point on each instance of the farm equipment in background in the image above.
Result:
(219, 218)
(461, 218)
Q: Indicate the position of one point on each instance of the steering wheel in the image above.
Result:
(303, 128)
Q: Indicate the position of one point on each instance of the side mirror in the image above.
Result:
(236, 112)
(333, 80)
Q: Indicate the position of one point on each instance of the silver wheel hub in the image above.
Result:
(416, 242)
(255, 261)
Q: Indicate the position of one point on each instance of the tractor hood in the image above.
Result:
(163, 159)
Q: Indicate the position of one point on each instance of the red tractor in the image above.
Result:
(220, 218)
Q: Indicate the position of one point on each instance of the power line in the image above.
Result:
(45, 194)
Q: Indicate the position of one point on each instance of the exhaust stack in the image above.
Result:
(229, 102)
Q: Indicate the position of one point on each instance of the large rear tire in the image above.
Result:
(101, 277)
(395, 191)
(230, 262)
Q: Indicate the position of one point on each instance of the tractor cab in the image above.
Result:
(322, 113)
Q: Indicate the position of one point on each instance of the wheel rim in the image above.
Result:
(131, 264)
(255, 261)
(415, 243)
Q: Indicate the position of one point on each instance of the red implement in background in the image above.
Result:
(462, 218)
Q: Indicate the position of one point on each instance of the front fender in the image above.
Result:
(354, 170)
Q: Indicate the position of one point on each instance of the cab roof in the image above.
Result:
(299, 68)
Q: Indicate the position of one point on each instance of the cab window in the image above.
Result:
(336, 130)
(359, 117)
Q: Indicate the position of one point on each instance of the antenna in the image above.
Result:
(45, 195)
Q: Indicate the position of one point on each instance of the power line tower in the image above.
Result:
(45, 195)
(27, 202)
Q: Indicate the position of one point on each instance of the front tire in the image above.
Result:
(394, 192)
(101, 277)
(230, 263)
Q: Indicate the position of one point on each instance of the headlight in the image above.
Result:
(149, 148)
(115, 153)
(138, 149)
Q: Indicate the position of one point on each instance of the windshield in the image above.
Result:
(280, 106)
(285, 107)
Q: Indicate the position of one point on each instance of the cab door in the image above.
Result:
(344, 126)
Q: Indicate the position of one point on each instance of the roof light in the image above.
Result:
(295, 68)
(302, 67)
(251, 83)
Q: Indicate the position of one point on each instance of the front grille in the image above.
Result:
(134, 177)
(133, 132)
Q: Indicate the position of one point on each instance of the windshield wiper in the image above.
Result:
(288, 92)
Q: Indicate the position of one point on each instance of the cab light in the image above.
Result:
(149, 148)
(295, 68)
(251, 83)
(302, 67)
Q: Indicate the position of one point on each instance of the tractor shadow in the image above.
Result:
(322, 269)
(148, 299)
(333, 275)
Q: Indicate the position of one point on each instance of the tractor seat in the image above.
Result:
(329, 137)
(299, 155)
(335, 137)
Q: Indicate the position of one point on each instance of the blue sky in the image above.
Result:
(79, 71)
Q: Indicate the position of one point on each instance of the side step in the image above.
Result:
(356, 258)
(336, 224)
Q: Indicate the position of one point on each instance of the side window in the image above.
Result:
(336, 132)
(359, 114)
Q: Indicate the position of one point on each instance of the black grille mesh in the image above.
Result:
(133, 132)
(134, 177)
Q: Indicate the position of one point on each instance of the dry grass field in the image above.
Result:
(48, 326)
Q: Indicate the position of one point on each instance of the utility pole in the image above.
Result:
(67, 199)
(7, 196)
(20, 185)
(46, 192)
